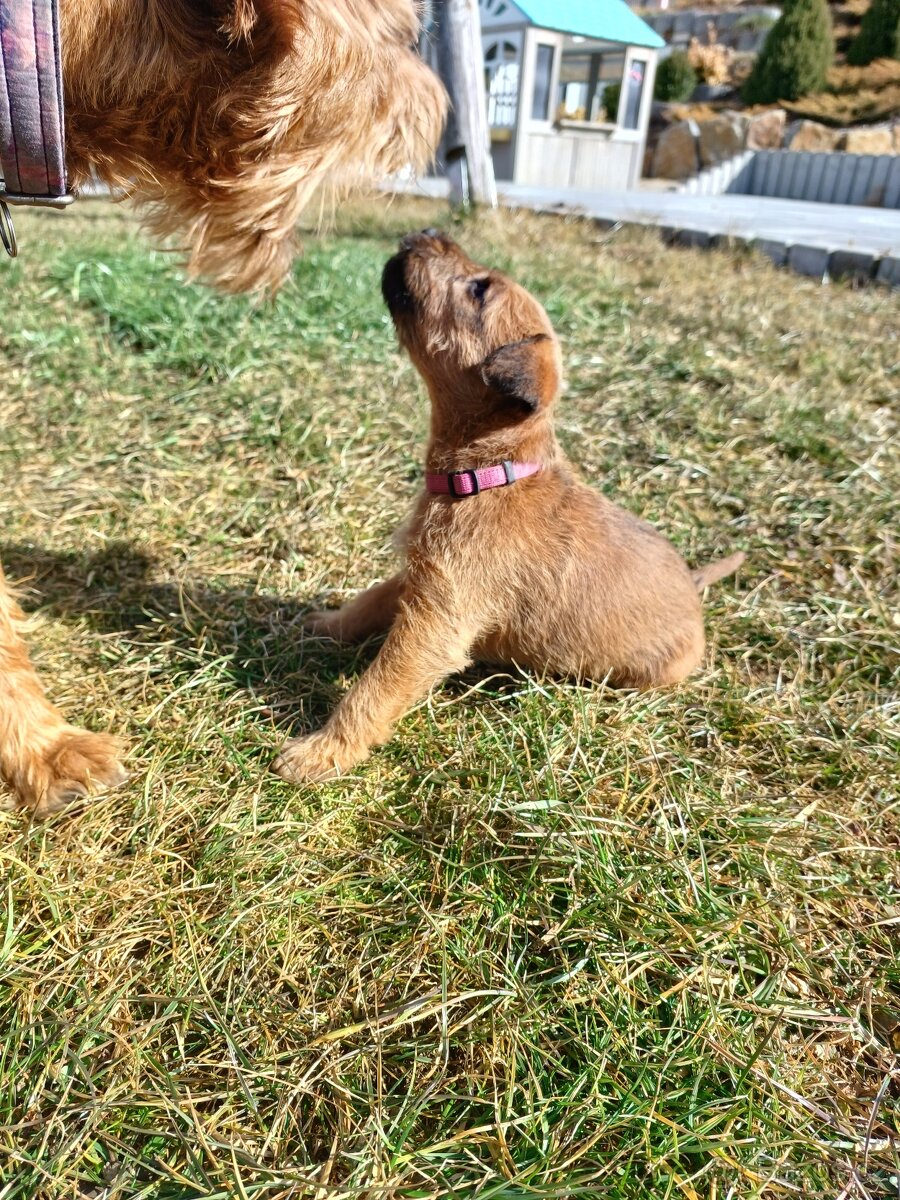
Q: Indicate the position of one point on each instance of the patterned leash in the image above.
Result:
(32, 125)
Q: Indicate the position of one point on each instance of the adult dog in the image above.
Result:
(222, 117)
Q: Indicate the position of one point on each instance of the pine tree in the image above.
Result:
(795, 58)
(879, 34)
(675, 78)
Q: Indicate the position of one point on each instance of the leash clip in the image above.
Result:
(8, 229)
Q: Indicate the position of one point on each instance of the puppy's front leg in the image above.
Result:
(372, 611)
(425, 644)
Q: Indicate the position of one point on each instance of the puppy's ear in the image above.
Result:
(525, 374)
(253, 20)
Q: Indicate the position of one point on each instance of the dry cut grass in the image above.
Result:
(552, 941)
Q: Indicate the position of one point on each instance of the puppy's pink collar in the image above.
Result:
(469, 483)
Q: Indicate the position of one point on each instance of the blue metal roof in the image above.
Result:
(611, 20)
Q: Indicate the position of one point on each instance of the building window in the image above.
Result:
(634, 91)
(501, 80)
(543, 70)
(583, 78)
(575, 87)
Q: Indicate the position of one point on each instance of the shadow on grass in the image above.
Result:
(257, 641)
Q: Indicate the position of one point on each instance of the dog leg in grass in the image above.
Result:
(422, 648)
(372, 611)
(47, 762)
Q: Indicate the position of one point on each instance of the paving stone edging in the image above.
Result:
(831, 252)
(813, 261)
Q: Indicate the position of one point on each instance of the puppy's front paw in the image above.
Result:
(76, 765)
(315, 757)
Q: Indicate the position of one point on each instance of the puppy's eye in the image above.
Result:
(478, 289)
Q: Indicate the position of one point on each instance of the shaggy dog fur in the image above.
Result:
(545, 573)
(223, 117)
(226, 115)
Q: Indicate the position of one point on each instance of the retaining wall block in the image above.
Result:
(776, 251)
(850, 264)
(692, 237)
(808, 260)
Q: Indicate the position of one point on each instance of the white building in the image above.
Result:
(548, 65)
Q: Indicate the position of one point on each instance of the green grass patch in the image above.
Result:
(552, 940)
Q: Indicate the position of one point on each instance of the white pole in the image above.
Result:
(470, 167)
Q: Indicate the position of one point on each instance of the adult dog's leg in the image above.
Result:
(45, 761)
(372, 611)
(425, 644)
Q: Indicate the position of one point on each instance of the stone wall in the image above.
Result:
(685, 148)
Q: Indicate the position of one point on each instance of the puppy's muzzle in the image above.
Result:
(394, 280)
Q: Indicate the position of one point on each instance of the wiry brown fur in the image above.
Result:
(224, 116)
(45, 760)
(545, 573)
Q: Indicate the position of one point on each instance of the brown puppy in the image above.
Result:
(224, 116)
(542, 572)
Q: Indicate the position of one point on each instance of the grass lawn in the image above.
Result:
(552, 940)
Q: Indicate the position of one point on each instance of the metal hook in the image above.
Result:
(8, 231)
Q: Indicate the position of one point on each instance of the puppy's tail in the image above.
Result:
(715, 571)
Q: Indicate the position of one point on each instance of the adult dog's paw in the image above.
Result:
(76, 765)
(316, 757)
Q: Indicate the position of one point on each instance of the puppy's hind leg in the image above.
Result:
(372, 611)
(45, 761)
(426, 643)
